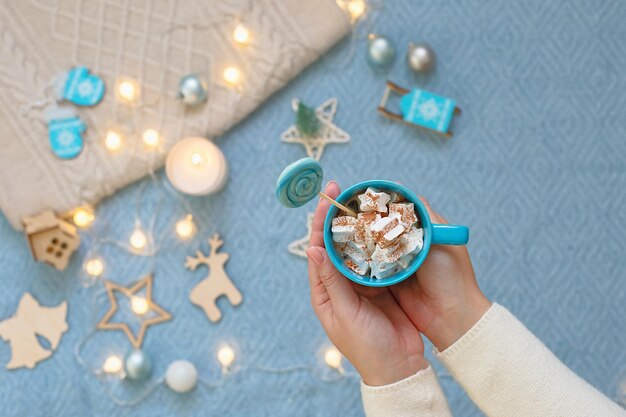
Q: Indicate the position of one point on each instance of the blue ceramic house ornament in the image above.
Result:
(80, 87)
(65, 133)
(421, 108)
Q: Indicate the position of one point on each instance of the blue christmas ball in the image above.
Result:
(192, 90)
(380, 51)
(138, 365)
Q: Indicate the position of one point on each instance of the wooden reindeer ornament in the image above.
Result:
(216, 284)
(30, 320)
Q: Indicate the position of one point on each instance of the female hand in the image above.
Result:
(442, 299)
(366, 324)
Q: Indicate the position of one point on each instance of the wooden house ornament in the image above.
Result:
(51, 239)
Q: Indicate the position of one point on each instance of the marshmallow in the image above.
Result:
(405, 261)
(384, 271)
(343, 228)
(388, 255)
(373, 200)
(396, 198)
(387, 230)
(363, 233)
(406, 211)
(354, 257)
(413, 241)
(376, 245)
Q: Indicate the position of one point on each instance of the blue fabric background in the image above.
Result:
(536, 169)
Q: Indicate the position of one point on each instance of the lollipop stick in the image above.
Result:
(338, 205)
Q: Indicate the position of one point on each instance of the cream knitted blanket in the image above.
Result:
(155, 43)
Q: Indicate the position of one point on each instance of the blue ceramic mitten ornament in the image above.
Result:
(80, 87)
(65, 132)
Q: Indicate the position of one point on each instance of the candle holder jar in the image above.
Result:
(196, 166)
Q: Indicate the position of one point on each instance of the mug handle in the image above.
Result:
(450, 234)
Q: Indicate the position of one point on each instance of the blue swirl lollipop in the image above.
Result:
(299, 183)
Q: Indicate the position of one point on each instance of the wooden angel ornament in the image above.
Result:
(29, 321)
(216, 284)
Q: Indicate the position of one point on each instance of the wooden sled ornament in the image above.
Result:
(216, 284)
(420, 108)
(30, 320)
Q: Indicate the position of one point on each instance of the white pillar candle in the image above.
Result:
(196, 166)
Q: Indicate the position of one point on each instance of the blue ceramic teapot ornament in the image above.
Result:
(80, 87)
(65, 132)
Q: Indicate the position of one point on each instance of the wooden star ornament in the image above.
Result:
(326, 133)
(154, 313)
(299, 247)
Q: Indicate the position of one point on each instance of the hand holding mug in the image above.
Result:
(365, 323)
(442, 298)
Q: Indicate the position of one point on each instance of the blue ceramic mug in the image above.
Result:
(434, 234)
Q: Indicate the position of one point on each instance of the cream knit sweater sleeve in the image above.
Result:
(506, 371)
(416, 396)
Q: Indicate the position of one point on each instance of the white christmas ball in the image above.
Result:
(181, 376)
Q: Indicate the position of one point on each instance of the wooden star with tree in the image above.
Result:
(315, 130)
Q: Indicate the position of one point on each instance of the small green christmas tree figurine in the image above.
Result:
(306, 120)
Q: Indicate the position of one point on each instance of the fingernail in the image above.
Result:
(316, 255)
(331, 182)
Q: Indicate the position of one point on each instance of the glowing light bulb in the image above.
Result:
(356, 8)
(226, 356)
(196, 159)
(127, 90)
(138, 239)
(241, 34)
(113, 141)
(186, 228)
(139, 305)
(333, 357)
(232, 75)
(94, 267)
(150, 137)
(83, 217)
(112, 364)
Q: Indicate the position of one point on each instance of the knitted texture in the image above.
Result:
(415, 396)
(508, 372)
(154, 43)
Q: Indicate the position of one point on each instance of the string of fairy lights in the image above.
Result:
(141, 241)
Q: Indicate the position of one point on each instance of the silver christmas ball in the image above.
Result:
(420, 57)
(192, 90)
(380, 50)
(138, 365)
